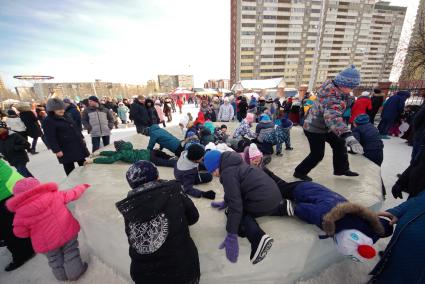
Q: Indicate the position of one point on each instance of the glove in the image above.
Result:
(397, 191)
(232, 247)
(355, 146)
(208, 194)
(220, 205)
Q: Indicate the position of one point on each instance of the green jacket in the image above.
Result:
(125, 153)
(8, 178)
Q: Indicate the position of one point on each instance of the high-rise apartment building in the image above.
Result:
(221, 84)
(307, 42)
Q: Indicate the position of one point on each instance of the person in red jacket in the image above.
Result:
(363, 105)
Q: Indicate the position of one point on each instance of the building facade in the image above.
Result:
(307, 42)
(218, 84)
(170, 82)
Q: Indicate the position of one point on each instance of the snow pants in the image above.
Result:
(66, 261)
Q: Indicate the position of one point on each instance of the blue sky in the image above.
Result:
(121, 41)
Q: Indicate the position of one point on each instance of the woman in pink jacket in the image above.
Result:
(41, 214)
(160, 112)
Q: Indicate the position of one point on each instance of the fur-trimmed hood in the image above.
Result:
(342, 209)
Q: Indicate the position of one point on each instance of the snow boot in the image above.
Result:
(347, 173)
(302, 177)
(259, 251)
(15, 265)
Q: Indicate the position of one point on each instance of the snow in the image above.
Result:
(297, 254)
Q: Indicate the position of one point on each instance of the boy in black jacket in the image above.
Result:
(187, 173)
(157, 217)
(248, 193)
(14, 149)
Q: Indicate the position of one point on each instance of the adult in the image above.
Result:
(377, 102)
(123, 111)
(403, 261)
(363, 105)
(167, 109)
(216, 105)
(153, 115)
(32, 125)
(226, 113)
(73, 113)
(160, 113)
(179, 103)
(242, 108)
(64, 138)
(392, 110)
(280, 100)
(324, 123)
(139, 114)
(98, 121)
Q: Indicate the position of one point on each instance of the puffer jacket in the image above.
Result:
(363, 105)
(244, 130)
(157, 217)
(8, 178)
(74, 114)
(14, 149)
(368, 136)
(164, 138)
(42, 215)
(262, 129)
(326, 111)
(98, 121)
(185, 172)
(15, 124)
(124, 153)
(394, 106)
(226, 112)
(32, 125)
(246, 189)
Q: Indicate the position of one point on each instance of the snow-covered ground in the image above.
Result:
(46, 168)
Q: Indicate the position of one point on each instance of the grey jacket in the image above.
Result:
(98, 121)
(247, 189)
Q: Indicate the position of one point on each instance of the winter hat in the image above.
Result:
(67, 101)
(249, 117)
(377, 91)
(140, 173)
(264, 118)
(195, 152)
(118, 144)
(365, 94)
(349, 77)
(25, 184)
(3, 125)
(55, 104)
(355, 244)
(212, 160)
(254, 152)
(362, 119)
(190, 134)
(11, 112)
(223, 126)
(94, 99)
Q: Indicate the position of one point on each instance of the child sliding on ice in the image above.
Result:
(41, 214)
(157, 217)
(353, 227)
(248, 193)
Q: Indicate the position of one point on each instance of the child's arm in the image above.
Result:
(74, 193)
(109, 159)
(20, 230)
(233, 199)
(188, 181)
(151, 144)
(107, 153)
(191, 212)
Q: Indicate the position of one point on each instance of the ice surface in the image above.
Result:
(296, 253)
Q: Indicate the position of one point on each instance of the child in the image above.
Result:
(41, 214)
(220, 134)
(353, 227)
(14, 149)
(252, 156)
(157, 217)
(123, 112)
(284, 131)
(125, 153)
(164, 138)
(368, 136)
(186, 172)
(263, 128)
(248, 194)
(160, 113)
(244, 128)
(205, 136)
(20, 248)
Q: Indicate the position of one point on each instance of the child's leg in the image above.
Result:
(74, 266)
(56, 262)
(23, 170)
(161, 159)
(203, 178)
(278, 148)
(288, 140)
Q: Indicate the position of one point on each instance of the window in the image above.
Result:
(247, 49)
(248, 8)
(248, 25)
(269, 17)
(248, 33)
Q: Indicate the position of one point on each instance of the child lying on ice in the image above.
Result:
(157, 217)
(248, 194)
(353, 227)
(125, 153)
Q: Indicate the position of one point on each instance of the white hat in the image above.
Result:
(355, 244)
(365, 94)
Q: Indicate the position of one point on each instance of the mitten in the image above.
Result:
(397, 191)
(232, 247)
(355, 146)
(220, 205)
(208, 194)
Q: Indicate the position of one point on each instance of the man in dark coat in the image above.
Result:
(248, 194)
(157, 216)
(403, 260)
(377, 102)
(73, 113)
(31, 123)
(393, 108)
(242, 108)
(139, 114)
(153, 115)
(65, 140)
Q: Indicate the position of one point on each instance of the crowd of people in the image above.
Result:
(164, 208)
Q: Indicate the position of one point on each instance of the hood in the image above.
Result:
(30, 200)
(124, 146)
(184, 164)
(230, 159)
(146, 187)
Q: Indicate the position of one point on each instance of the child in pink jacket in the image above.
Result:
(41, 214)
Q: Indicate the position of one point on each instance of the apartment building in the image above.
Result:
(307, 42)
(221, 84)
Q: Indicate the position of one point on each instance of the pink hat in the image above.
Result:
(249, 117)
(254, 152)
(25, 184)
